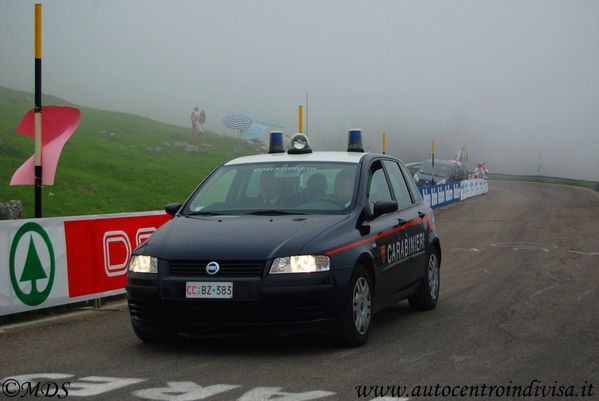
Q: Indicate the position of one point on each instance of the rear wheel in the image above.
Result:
(428, 293)
(357, 318)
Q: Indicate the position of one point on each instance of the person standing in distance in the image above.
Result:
(194, 121)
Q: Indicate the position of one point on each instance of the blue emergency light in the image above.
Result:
(276, 142)
(354, 140)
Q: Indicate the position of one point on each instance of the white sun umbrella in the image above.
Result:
(237, 121)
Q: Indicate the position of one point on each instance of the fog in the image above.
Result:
(517, 81)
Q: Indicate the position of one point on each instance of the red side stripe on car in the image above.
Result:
(396, 229)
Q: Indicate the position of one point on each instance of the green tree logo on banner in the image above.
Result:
(33, 269)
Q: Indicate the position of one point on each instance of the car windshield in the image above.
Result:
(441, 169)
(276, 188)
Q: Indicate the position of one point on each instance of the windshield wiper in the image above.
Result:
(274, 212)
(203, 213)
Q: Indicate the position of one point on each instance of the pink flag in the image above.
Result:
(58, 124)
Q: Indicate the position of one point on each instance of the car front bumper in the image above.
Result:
(270, 302)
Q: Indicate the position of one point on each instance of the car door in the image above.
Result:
(411, 237)
(384, 228)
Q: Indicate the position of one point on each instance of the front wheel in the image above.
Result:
(357, 318)
(427, 295)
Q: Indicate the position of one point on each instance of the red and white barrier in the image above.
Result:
(56, 261)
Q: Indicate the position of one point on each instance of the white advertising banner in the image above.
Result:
(477, 186)
(54, 261)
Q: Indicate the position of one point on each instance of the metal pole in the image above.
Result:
(301, 125)
(384, 142)
(306, 113)
(433, 169)
(38, 110)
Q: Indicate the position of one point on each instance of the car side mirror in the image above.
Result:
(382, 207)
(172, 208)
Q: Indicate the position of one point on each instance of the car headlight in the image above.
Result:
(143, 264)
(301, 264)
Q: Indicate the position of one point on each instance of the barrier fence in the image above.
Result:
(56, 261)
(443, 194)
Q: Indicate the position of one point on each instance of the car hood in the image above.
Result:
(243, 237)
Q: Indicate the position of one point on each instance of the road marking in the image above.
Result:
(464, 249)
(275, 393)
(585, 293)
(183, 391)
(389, 399)
(176, 391)
(542, 291)
(67, 315)
(519, 246)
(99, 385)
(583, 253)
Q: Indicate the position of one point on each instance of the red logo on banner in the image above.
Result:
(98, 250)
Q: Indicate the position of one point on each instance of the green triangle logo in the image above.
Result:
(33, 270)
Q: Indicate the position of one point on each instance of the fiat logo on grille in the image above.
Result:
(212, 268)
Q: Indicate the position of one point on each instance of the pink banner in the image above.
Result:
(58, 124)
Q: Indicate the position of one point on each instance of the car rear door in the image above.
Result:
(411, 233)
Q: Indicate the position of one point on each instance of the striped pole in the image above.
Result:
(38, 110)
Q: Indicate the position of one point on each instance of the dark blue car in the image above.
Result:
(298, 240)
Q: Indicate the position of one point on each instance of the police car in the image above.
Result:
(288, 240)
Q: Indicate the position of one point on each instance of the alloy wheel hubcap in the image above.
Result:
(361, 306)
(433, 276)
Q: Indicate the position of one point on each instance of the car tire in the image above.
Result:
(153, 336)
(428, 294)
(357, 318)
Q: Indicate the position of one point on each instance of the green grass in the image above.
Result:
(97, 174)
(572, 182)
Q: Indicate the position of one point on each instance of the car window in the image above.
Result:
(411, 184)
(378, 188)
(440, 169)
(400, 188)
(216, 190)
(289, 186)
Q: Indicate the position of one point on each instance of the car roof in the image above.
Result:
(343, 157)
(447, 162)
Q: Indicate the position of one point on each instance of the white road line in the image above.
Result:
(61, 317)
(583, 253)
(542, 291)
(585, 293)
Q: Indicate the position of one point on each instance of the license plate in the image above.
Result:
(209, 289)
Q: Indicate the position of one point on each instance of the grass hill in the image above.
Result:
(107, 165)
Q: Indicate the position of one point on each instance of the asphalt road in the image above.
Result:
(519, 306)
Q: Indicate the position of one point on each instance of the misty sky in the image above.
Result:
(512, 79)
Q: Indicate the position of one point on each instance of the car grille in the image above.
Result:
(228, 268)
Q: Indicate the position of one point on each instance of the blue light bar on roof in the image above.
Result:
(354, 140)
(276, 142)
